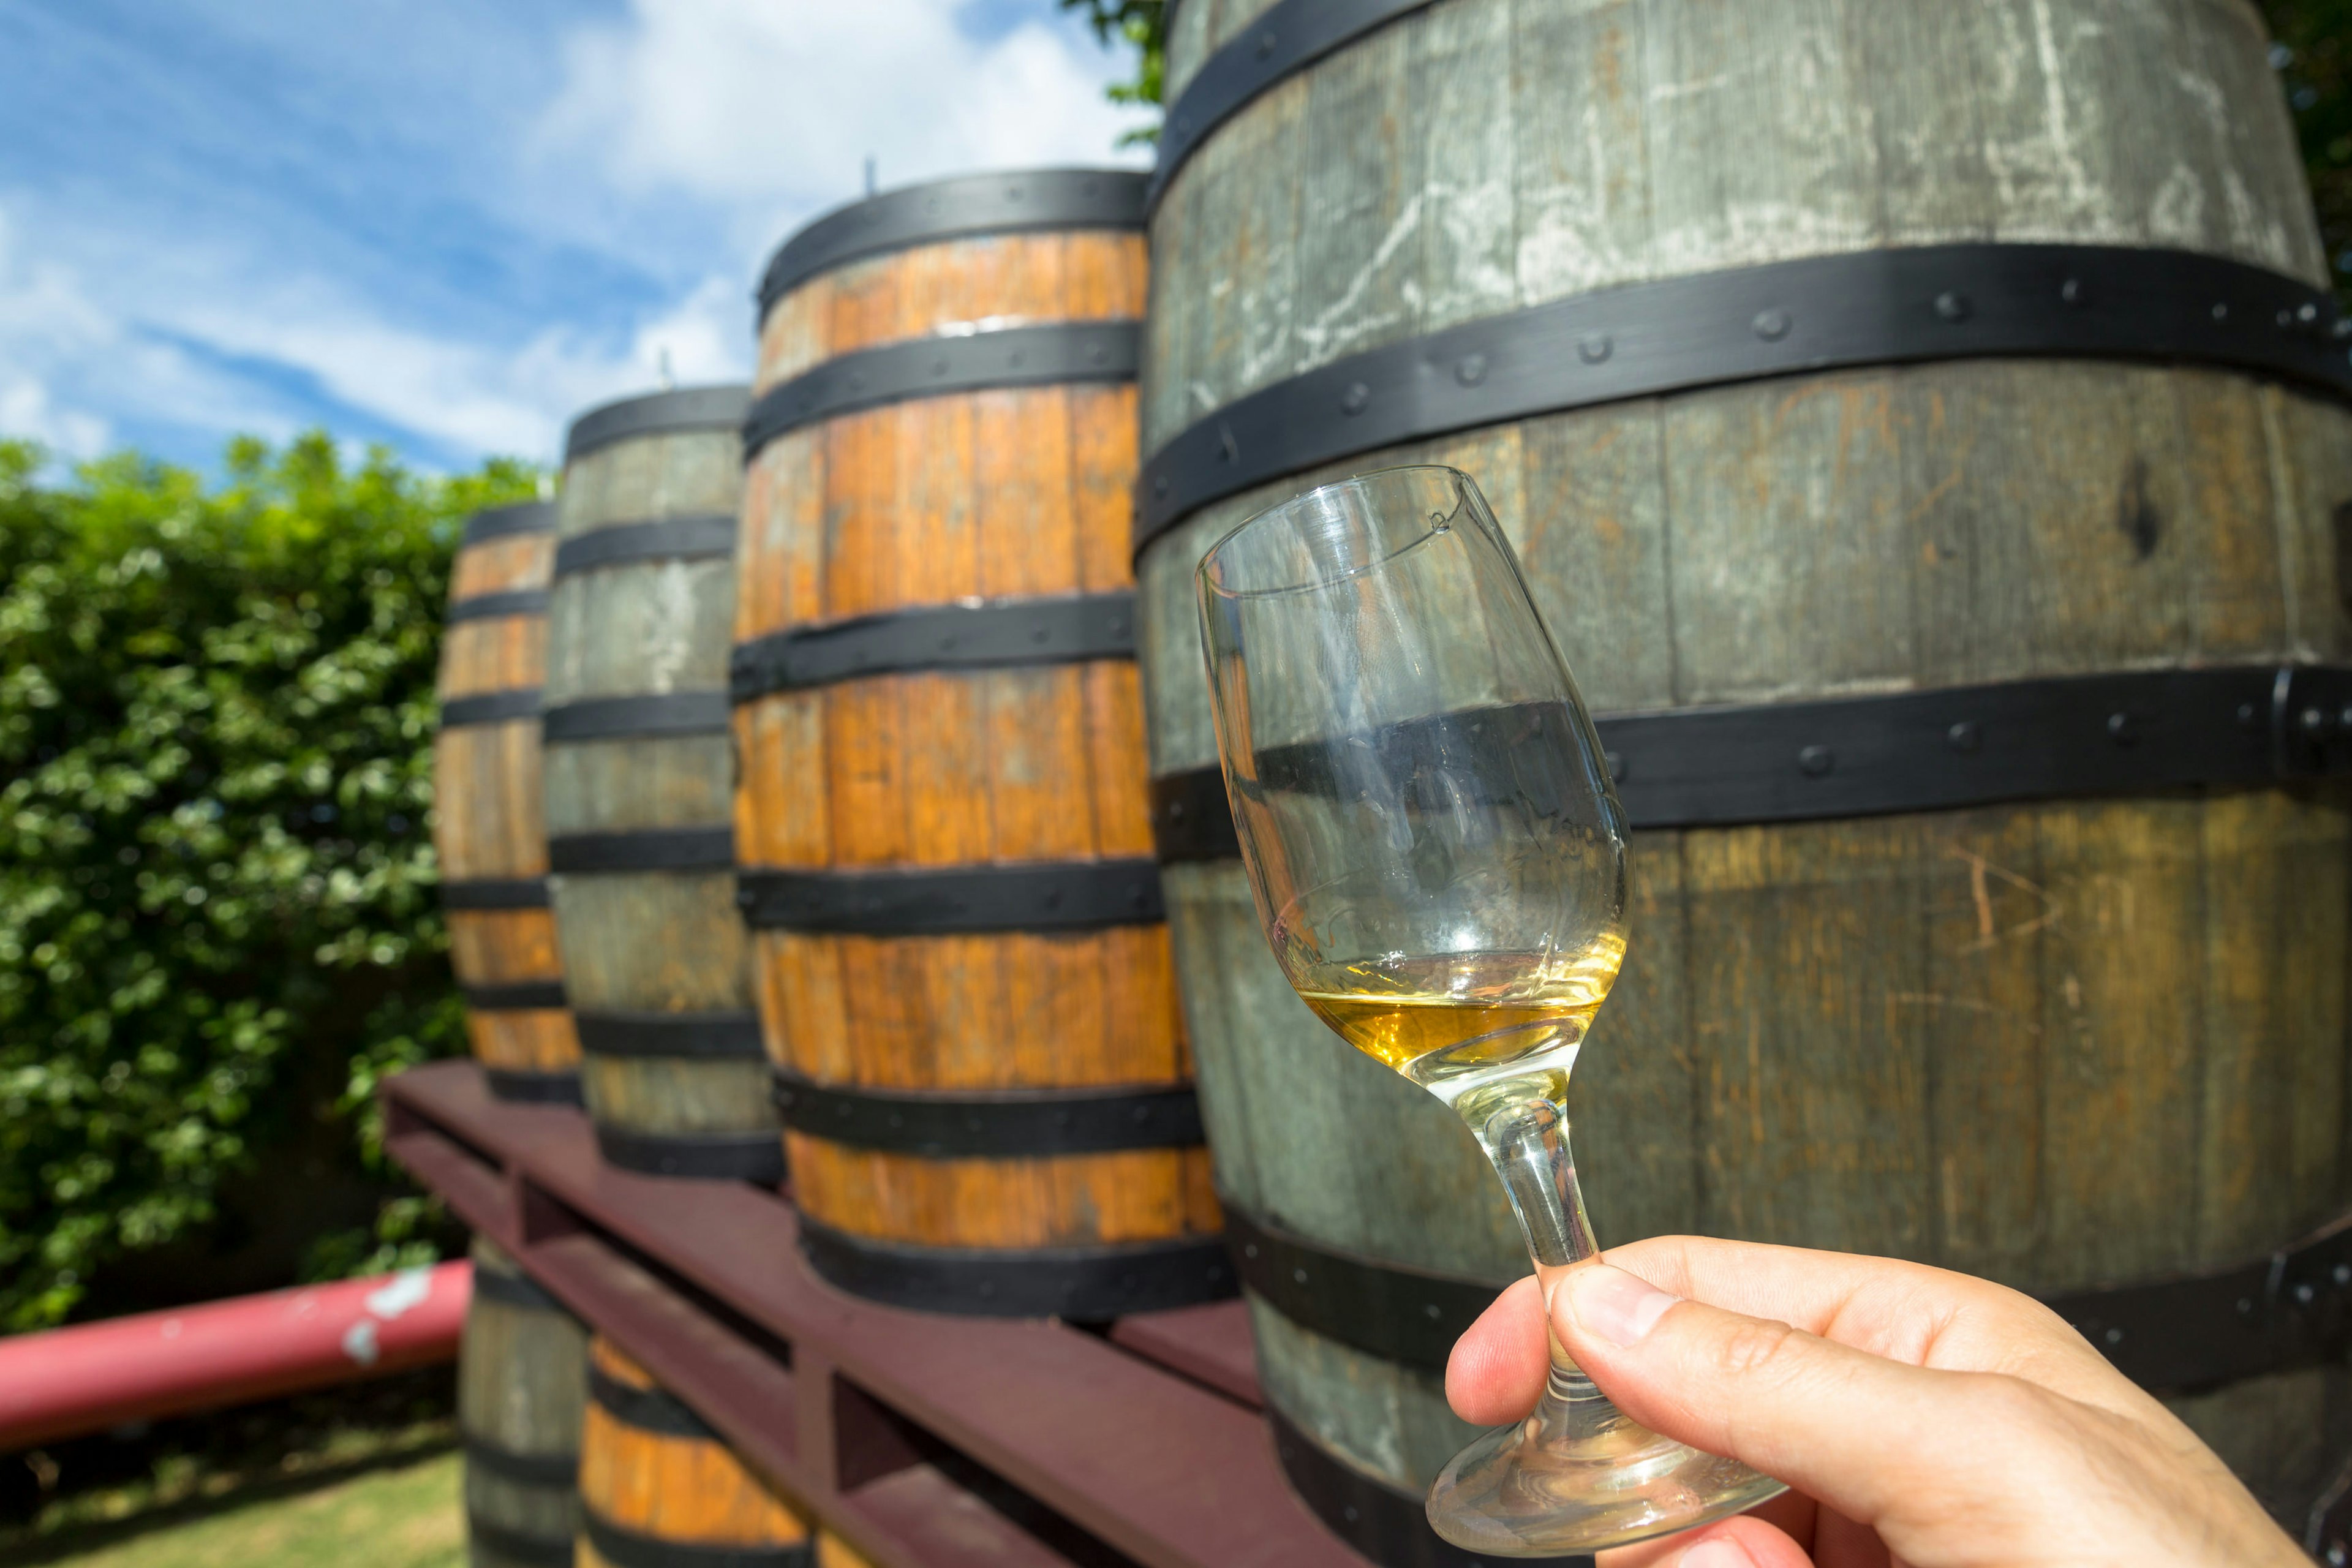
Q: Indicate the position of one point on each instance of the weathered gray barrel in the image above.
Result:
(639, 778)
(1923, 426)
(523, 1383)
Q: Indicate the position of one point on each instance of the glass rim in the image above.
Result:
(1463, 484)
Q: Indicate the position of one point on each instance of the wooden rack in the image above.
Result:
(924, 1441)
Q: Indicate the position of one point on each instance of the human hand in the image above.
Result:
(1923, 1417)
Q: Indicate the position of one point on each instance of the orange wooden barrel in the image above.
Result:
(832, 1552)
(659, 1489)
(488, 826)
(962, 972)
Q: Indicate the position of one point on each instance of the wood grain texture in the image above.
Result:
(521, 1386)
(505, 565)
(489, 820)
(1012, 494)
(650, 941)
(1069, 1200)
(508, 947)
(489, 816)
(832, 1552)
(493, 653)
(1483, 155)
(690, 1491)
(524, 1040)
(977, 283)
(2054, 1044)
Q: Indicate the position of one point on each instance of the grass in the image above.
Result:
(398, 1513)
(364, 1476)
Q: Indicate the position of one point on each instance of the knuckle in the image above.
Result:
(1756, 1347)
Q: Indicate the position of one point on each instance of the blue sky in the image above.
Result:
(447, 226)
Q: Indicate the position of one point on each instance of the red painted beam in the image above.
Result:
(91, 1376)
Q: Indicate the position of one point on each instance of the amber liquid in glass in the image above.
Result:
(1467, 1023)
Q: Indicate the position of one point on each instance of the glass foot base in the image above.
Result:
(1578, 1475)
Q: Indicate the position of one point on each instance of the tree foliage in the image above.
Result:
(2313, 54)
(1142, 23)
(218, 912)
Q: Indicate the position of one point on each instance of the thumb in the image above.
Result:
(1801, 1408)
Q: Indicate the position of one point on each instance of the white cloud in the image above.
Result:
(772, 108)
(683, 143)
(101, 321)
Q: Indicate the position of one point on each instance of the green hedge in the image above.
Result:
(218, 918)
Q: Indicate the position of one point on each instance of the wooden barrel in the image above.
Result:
(638, 780)
(487, 825)
(1924, 429)
(522, 1377)
(659, 1489)
(832, 1552)
(963, 965)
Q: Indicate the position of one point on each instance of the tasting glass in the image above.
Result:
(1438, 859)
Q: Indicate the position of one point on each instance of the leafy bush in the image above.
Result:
(1144, 25)
(2313, 56)
(218, 916)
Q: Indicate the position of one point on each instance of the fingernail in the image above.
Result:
(1716, 1551)
(1619, 1307)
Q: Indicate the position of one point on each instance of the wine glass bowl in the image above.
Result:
(1438, 860)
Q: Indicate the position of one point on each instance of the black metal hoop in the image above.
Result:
(612, 1032)
(496, 894)
(490, 707)
(1005, 1124)
(522, 996)
(699, 537)
(2193, 1330)
(1057, 896)
(945, 636)
(501, 521)
(658, 414)
(932, 367)
(959, 208)
(1388, 1525)
(483, 607)
(624, 718)
(1865, 307)
(1278, 44)
(514, 1546)
(756, 1157)
(1411, 1316)
(642, 850)
(1954, 747)
(1082, 1284)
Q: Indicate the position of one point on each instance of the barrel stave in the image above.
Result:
(944, 498)
(1939, 1035)
(658, 942)
(684, 1490)
(1068, 1200)
(1001, 279)
(641, 629)
(521, 1386)
(489, 824)
(1615, 143)
(680, 473)
(641, 608)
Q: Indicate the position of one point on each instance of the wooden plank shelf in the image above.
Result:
(922, 1440)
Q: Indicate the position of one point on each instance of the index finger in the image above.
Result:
(1907, 1312)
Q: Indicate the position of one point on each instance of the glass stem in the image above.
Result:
(1527, 1139)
